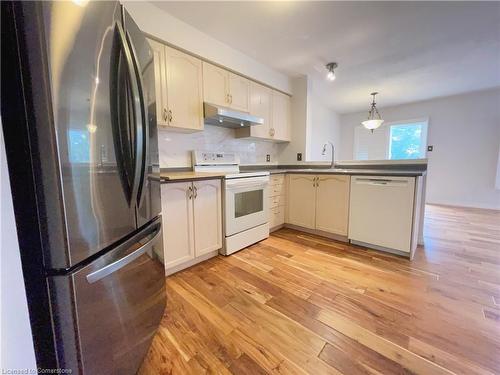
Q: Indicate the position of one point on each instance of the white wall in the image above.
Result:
(323, 126)
(16, 341)
(157, 22)
(465, 132)
(313, 124)
(298, 122)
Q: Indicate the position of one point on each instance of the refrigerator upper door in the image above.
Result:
(148, 190)
(95, 158)
(107, 313)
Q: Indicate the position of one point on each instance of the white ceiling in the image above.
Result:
(408, 51)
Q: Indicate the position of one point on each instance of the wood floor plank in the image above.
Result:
(296, 303)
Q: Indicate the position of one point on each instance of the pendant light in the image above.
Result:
(330, 67)
(374, 120)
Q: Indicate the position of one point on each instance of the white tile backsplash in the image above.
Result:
(175, 148)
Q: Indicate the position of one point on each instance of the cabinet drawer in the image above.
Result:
(276, 216)
(276, 190)
(276, 201)
(277, 179)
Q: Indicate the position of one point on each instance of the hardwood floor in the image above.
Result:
(297, 303)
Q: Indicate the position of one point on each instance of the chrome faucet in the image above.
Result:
(332, 165)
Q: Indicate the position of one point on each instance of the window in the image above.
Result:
(394, 141)
(407, 141)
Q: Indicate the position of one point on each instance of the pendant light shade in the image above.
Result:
(374, 120)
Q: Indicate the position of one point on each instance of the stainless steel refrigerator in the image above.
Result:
(78, 112)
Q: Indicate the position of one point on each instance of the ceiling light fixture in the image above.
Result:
(331, 74)
(374, 120)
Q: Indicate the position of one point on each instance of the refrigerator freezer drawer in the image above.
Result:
(106, 313)
(381, 211)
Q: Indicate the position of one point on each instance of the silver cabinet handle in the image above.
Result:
(227, 98)
(230, 99)
(170, 116)
(115, 266)
(165, 114)
(271, 132)
(195, 189)
(190, 192)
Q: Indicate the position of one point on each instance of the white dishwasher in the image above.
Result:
(381, 211)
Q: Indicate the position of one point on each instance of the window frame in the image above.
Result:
(425, 132)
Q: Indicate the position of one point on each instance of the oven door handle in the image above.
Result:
(247, 182)
(246, 185)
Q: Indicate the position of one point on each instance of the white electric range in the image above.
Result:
(245, 199)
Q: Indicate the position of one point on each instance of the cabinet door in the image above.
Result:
(332, 204)
(280, 125)
(207, 216)
(260, 105)
(160, 82)
(239, 92)
(215, 85)
(301, 200)
(177, 216)
(184, 90)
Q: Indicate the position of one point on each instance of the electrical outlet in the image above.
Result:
(299, 156)
(268, 157)
(430, 148)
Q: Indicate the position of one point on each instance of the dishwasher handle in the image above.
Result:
(380, 181)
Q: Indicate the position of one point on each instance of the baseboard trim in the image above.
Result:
(191, 262)
(331, 236)
(469, 207)
(382, 248)
(277, 227)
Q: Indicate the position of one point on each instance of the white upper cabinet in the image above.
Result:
(215, 85)
(224, 88)
(260, 106)
(183, 82)
(332, 203)
(239, 92)
(280, 124)
(301, 199)
(184, 90)
(178, 88)
(207, 216)
(160, 82)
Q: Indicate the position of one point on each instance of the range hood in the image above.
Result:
(229, 118)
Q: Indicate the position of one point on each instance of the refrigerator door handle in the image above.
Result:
(138, 110)
(144, 132)
(117, 265)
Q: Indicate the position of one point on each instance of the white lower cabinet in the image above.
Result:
(319, 202)
(277, 201)
(192, 222)
(332, 204)
(207, 207)
(301, 200)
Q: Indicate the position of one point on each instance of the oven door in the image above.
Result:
(246, 203)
